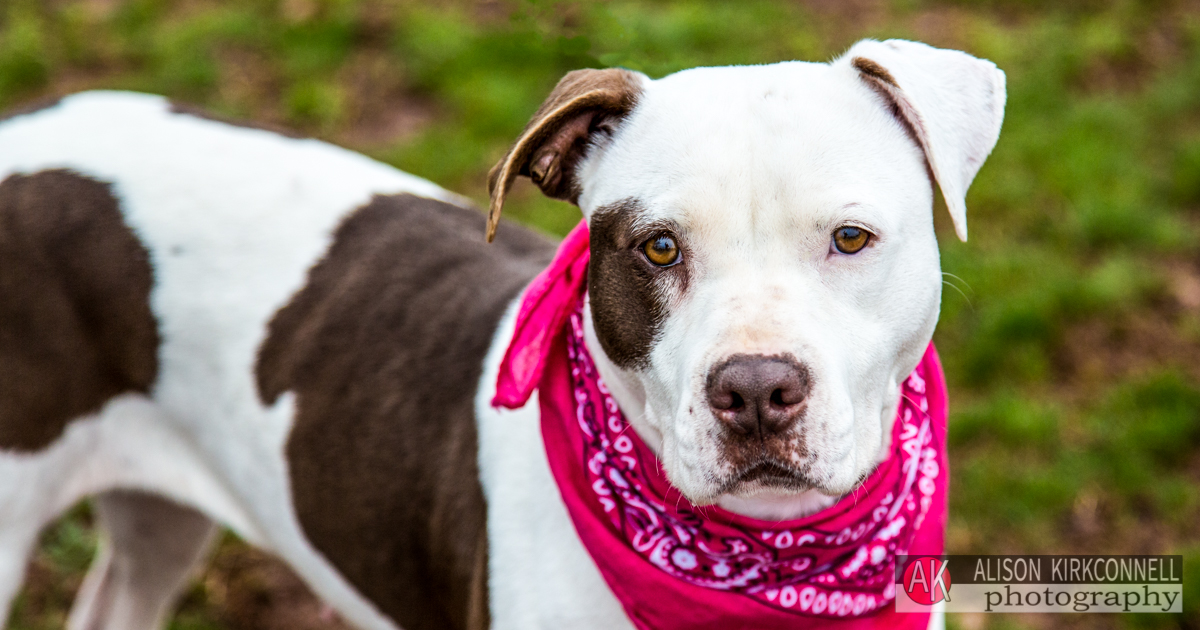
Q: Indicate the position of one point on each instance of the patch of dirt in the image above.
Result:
(946, 27)
(378, 110)
(1159, 42)
(247, 589)
(843, 22)
(859, 12)
(1108, 349)
(1185, 286)
(248, 80)
(46, 596)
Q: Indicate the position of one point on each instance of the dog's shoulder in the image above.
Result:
(406, 278)
(383, 349)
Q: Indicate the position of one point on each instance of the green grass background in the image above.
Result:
(1071, 332)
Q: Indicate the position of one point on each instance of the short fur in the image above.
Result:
(626, 306)
(75, 321)
(226, 326)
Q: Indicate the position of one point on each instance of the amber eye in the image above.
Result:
(661, 250)
(850, 239)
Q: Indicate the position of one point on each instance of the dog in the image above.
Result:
(205, 324)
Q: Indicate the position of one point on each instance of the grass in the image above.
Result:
(1071, 337)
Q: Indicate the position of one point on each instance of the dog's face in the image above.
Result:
(764, 269)
(764, 266)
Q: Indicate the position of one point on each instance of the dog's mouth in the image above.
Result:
(768, 475)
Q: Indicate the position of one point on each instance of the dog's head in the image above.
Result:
(764, 269)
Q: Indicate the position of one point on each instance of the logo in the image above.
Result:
(927, 581)
(1040, 584)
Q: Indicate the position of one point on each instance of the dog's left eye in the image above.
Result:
(661, 250)
(850, 239)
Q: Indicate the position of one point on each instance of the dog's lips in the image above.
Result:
(767, 475)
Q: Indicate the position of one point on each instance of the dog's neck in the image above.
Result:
(631, 398)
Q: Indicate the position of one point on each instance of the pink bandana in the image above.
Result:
(673, 565)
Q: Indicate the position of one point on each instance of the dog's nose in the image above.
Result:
(755, 394)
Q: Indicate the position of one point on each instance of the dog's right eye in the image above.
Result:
(661, 250)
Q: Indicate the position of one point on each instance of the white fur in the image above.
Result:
(541, 575)
(757, 166)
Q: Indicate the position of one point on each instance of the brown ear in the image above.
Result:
(583, 104)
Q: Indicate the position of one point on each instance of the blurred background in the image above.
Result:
(1070, 325)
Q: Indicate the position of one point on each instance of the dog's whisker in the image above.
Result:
(960, 292)
(960, 279)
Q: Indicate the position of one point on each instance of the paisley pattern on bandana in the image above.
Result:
(838, 563)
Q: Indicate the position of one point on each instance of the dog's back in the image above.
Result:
(243, 323)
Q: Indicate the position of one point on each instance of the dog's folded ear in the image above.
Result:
(951, 103)
(585, 106)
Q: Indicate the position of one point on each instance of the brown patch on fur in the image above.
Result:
(478, 615)
(874, 70)
(75, 322)
(384, 349)
(584, 103)
(628, 307)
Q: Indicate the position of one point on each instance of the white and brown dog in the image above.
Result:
(206, 324)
